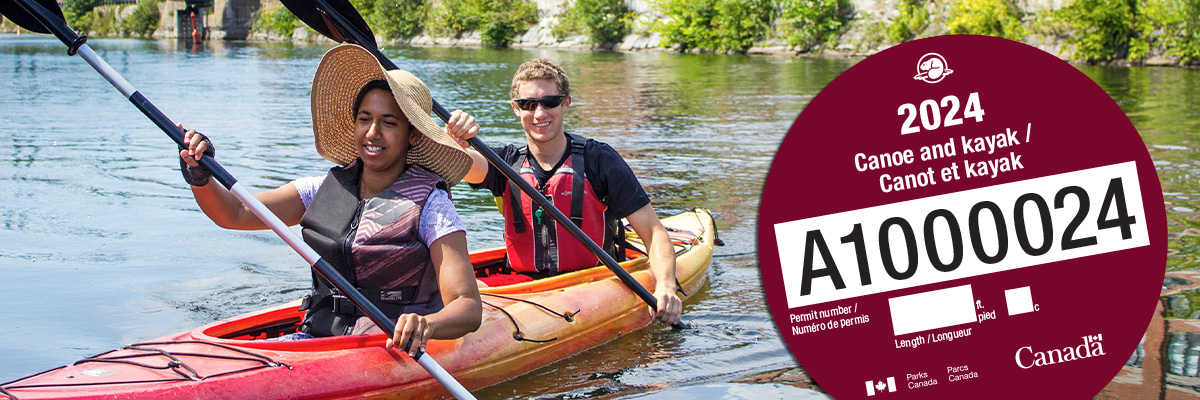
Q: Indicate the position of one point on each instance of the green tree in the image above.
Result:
(999, 18)
(394, 19)
(498, 21)
(143, 20)
(912, 19)
(279, 21)
(604, 21)
(1172, 24)
(76, 13)
(1102, 28)
(716, 25)
(811, 23)
(74, 9)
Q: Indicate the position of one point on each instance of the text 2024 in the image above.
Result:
(931, 113)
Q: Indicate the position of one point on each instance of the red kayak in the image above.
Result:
(525, 326)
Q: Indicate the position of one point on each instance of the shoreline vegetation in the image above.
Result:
(1113, 32)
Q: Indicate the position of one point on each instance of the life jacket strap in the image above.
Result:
(577, 181)
(383, 299)
(514, 192)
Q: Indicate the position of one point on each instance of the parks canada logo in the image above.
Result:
(1028, 358)
(932, 68)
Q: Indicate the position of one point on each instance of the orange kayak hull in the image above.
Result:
(221, 360)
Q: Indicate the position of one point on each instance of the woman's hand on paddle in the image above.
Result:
(461, 127)
(412, 332)
(670, 307)
(197, 145)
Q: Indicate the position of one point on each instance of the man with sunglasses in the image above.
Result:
(587, 180)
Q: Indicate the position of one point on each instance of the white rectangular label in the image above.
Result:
(831, 244)
(932, 310)
(1019, 300)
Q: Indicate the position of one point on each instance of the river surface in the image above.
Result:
(101, 244)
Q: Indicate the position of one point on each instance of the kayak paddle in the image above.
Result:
(340, 21)
(44, 16)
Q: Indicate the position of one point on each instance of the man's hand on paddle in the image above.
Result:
(662, 262)
(461, 127)
(670, 307)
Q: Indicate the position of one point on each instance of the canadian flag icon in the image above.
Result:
(881, 386)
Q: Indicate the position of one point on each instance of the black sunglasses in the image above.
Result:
(548, 102)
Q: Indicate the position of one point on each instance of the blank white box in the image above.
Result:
(932, 310)
(1019, 300)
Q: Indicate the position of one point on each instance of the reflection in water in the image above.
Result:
(1184, 353)
(1162, 103)
(104, 246)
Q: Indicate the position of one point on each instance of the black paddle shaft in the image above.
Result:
(347, 32)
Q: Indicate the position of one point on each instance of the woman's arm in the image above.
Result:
(223, 208)
(456, 282)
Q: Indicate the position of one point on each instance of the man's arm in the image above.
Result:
(462, 127)
(662, 262)
(479, 168)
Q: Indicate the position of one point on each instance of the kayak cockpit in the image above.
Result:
(255, 330)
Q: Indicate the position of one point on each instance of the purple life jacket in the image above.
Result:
(375, 244)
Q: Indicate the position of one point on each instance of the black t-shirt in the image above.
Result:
(611, 178)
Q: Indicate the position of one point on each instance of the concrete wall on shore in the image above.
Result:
(226, 19)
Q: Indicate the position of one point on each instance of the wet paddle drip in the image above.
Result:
(520, 337)
(174, 364)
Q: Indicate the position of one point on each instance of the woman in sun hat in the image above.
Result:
(383, 216)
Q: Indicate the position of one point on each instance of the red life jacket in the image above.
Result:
(535, 243)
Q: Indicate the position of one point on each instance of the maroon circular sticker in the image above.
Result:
(962, 216)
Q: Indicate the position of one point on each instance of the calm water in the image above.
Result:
(102, 244)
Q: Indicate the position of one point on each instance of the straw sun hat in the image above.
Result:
(343, 72)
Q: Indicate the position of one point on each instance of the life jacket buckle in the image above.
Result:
(306, 302)
(343, 305)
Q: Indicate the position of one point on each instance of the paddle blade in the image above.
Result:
(14, 12)
(322, 20)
